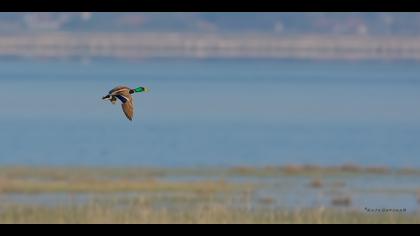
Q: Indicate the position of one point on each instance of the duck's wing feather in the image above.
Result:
(128, 109)
(124, 98)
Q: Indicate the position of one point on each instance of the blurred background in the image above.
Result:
(264, 98)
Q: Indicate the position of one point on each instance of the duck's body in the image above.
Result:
(124, 95)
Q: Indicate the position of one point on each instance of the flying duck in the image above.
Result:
(124, 95)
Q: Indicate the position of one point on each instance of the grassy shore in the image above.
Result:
(187, 195)
(141, 212)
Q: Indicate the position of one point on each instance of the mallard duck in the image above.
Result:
(124, 95)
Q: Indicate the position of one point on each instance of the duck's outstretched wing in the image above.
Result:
(123, 94)
(128, 109)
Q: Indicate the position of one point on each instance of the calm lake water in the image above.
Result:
(211, 113)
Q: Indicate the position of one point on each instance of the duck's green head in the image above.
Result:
(140, 90)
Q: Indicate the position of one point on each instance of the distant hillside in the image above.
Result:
(389, 24)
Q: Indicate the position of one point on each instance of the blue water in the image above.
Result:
(211, 113)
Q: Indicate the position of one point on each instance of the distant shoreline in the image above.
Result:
(237, 170)
(135, 46)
